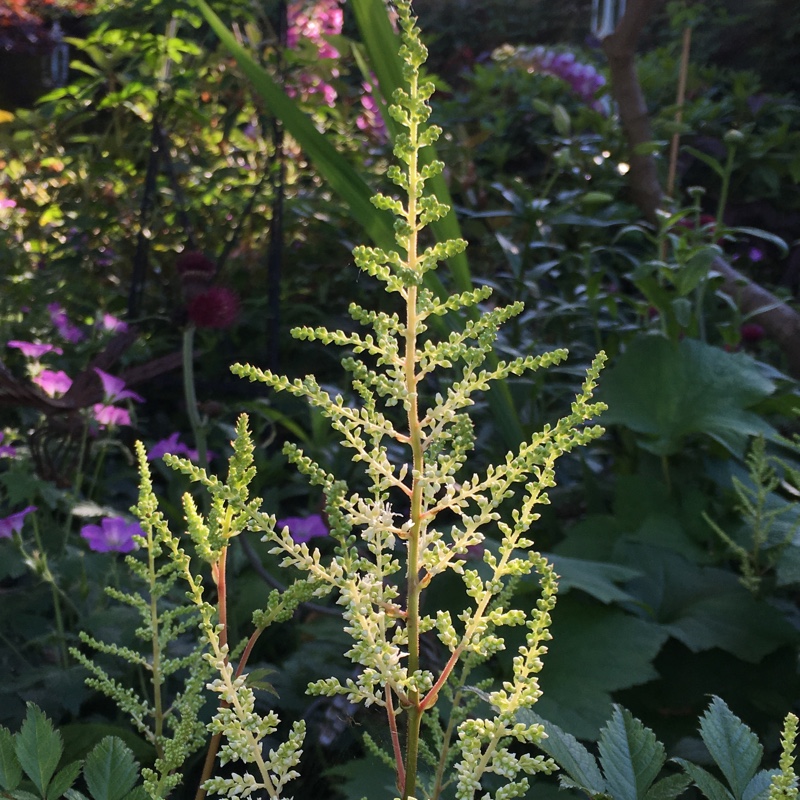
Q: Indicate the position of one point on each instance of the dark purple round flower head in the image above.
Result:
(216, 307)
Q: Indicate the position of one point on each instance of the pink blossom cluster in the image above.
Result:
(370, 120)
(583, 79)
(312, 22)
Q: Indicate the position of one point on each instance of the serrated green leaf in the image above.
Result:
(38, 748)
(668, 788)
(111, 770)
(10, 770)
(74, 794)
(63, 780)
(138, 793)
(630, 755)
(705, 781)
(758, 788)
(21, 794)
(571, 756)
(732, 745)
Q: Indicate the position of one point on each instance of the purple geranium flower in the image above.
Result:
(13, 524)
(33, 350)
(303, 529)
(174, 446)
(111, 415)
(114, 388)
(112, 535)
(6, 449)
(72, 333)
(111, 323)
(52, 383)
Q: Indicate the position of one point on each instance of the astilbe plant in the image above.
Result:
(391, 540)
(423, 514)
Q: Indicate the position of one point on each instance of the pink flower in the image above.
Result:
(6, 202)
(111, 415)
(111, 323)
(114, 388)
(52, 383)
(113, 535)
(216, 307)
(59, 318)
(13, 524)
(303, 529)
(33, 350)
(6, 449)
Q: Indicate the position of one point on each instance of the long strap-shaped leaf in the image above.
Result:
(381, 43)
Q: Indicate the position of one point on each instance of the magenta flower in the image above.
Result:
(52, 382)
(112, 535)
(752, 332)
(111, 415)
(173, 445)
(72, 333)
(6, 202)
(303, 529)
(33, 350)
(114, 388)
(13, 524)
(111, 323)
(6, 449)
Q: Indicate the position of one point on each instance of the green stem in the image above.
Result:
(198, 428)
(725, 188)
(50, 578)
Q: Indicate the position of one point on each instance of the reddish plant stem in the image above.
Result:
(398, 752)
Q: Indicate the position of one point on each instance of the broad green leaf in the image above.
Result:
(110, 770)
(668, 788)
(571, 756)
(593, 577)
(667, 392)
(74, 794)
(705, 781)
(704, 607)
(630, 755)
(596, 650)
(10, 770)
(63, 780)
(732, 745)
(38, 747)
